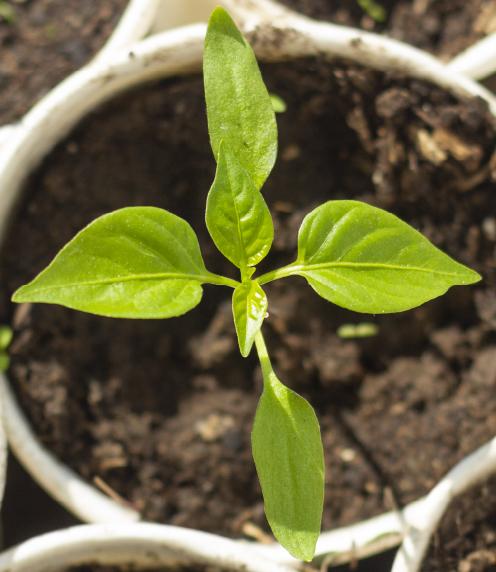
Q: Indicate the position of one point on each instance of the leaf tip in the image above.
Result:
(307, 553)
(19, 296)
(244, 349)
(466, 276)
(473, 277)
(217, 14)
(221, 20)
(307, 556)
(301, 546)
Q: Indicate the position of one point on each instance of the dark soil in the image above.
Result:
(44, 43)
(160, 412)
(443, 27)
(466, 538)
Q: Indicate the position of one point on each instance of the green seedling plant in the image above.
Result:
(7, 12)
(144, 262)
(6, 336)
(356, 331)
(278, 103)
(373, 9)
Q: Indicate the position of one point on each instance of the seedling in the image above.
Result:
(278, 103)
(375, 10)
(363, 330)
(144, 262)
(5, 341)
(7, 12)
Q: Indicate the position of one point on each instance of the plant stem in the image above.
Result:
(221, 280)
(283, 272)
(263, 357)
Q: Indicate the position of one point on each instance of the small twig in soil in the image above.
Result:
(110, 492)
(253, 531)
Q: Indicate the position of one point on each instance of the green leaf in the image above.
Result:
(249, 309)
(239, 108)
(137, 262)
(367, 260)
(289, 458)
(237, 217)
(6, 335)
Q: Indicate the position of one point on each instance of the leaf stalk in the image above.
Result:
(283, 272)
(263, 357)
(219, 280)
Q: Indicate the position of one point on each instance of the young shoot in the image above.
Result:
(144, 262)
(278, 103)
(7, 12)
(6, 336)
(354, 331)
(373, 9)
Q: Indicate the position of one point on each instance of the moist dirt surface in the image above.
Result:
(443, 27)
(159, 413)
(43, 41)
(466, 538)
